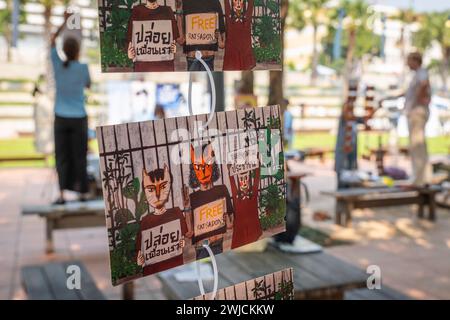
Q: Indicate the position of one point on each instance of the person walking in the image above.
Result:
(71, 122)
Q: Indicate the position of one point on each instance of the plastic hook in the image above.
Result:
(216, 276)
(198, 56)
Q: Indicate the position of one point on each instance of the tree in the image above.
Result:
(246, 85)
(406, 17)
(435, 29)
(6, 24)
(312, 12)
(354, 22)
(276, 77)
(357, 40)
(5, 27)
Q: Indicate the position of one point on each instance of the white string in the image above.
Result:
(216, 276)
(198, 56)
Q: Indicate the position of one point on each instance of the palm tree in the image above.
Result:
(406, 17)
(276, 77)
(435, 29)
(311, 12)
(6, 27)
(355, 21)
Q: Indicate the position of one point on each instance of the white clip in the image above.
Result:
(216, 276)
(198, 56)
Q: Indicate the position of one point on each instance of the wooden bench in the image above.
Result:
(401, 150)
(316, 275)
(359, 198)
(68, 216)
(20, 158)
(49, 282)
(303, 154)
(316, 153)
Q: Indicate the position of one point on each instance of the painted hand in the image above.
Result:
(181, 40)
(219, 40)
(131, 52)
(140, 259)
(186, 199)
(229, 222)
(173, 47)
(189, 234)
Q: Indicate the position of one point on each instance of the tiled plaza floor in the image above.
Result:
(414, 256)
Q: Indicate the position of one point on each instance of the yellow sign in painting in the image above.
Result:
(209, 217)
(201, 28)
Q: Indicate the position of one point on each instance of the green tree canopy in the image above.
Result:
(355, 25)
(435, 30)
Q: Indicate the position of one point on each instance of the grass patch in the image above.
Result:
(20, 147)
(14, 104)
(17, 146)
(320, 237)
(16, 91)
(24, 146)
(366, 140)
(16, 80)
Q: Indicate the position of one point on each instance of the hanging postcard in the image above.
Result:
(171, 186)
(163, 35)
(275, 286)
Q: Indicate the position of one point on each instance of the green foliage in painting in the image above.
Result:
(267, 47)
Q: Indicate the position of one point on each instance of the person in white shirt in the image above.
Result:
(417, 100)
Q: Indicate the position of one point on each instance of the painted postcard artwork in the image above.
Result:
(163, 35)
(275, 286)
(171, 186)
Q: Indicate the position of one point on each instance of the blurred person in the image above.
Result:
(37, 90)
(159, 112)
(302, 110)
(71, 122)
(417, 101)
(288, 131)
(347, 160)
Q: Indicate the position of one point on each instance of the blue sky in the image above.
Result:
(418, 5)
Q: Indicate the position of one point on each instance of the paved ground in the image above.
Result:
(414, 256)
(22, 239)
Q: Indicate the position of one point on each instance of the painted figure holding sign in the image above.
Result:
(203, 25)
(211, 207)
(152, 32)
(169, 191)
(244, 189)
(229, 34)
(238, 45)
(160, 241)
